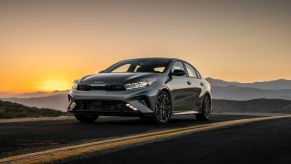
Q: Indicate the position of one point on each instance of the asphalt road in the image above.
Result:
(266, 142)
(25, 137)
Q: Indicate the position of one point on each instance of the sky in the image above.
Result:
(45, 45)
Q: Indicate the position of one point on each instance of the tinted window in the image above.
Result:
(122, 68)
(140, 65)
(178, 66)
(191, 71)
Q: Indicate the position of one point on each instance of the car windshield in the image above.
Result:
(139, 65)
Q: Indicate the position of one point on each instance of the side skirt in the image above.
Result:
(185, 112)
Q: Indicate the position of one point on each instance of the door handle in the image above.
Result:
(189, 82)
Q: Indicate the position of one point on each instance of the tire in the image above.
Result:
(163, 108)
(206, 110)
(86, 118)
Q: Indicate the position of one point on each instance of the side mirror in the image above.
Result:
(178, 72)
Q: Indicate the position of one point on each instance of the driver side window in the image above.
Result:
(178, 65)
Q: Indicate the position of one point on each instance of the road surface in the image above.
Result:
(266, 141)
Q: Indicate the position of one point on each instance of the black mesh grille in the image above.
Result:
(83, 87)
(99, 105)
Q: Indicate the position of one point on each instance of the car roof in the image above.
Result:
(156, 58)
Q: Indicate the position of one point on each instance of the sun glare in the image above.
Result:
(52, 85)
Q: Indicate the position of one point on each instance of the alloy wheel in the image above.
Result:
(163, 107)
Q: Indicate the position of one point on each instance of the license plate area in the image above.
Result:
(104, 106)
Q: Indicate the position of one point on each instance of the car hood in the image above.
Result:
(116, 78)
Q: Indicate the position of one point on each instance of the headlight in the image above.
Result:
(140, 84)
(75, 84)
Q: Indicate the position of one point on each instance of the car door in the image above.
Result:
(179, 87)
(195, 86)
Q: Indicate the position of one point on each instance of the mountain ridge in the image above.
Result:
(57, 101)
(220, 90)
(252, 106)
(272, 84)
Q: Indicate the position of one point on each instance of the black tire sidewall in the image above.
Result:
(202, 116)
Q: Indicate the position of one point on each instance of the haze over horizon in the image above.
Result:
(45, 45)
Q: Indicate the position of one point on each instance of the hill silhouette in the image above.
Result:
(14, 110)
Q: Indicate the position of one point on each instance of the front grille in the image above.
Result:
(99, 105)
(85, 87)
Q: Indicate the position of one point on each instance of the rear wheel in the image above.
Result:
(206, 110)
(163, 109)
(86, 118)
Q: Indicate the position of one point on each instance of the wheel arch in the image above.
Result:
(166, 89)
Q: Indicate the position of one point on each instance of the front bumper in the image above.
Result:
(130, 102)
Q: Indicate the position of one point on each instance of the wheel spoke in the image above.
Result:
(164, 117)
(161, 115)
(163, 107)
(167, 102)
(164, 99)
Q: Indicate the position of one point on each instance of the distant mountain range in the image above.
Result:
(277, 89)
(252, 106)
(30, 94)
(54, 101)
(246, 93)
(14, 110)
(280, 84)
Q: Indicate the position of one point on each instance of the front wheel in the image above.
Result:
(86, 118)
(206, 110)
(163, 109)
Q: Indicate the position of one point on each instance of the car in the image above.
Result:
(151, 88)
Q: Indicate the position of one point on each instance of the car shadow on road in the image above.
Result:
(138, 122)
(176, 121)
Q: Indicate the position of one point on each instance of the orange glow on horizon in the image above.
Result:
(46, 46)
(54, 84)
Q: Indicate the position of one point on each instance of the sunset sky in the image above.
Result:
(45, 45)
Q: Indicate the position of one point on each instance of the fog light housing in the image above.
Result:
(131, 107)
(72, 104)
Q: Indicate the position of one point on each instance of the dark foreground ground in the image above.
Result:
(267, 142)
(261, 142)
(23, 137)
